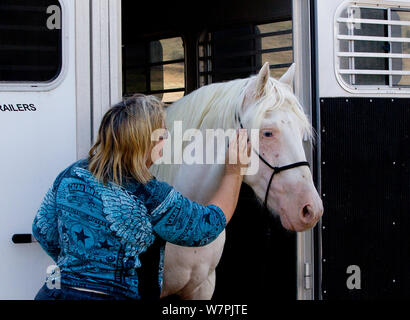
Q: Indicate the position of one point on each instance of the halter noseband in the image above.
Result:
(275, 169)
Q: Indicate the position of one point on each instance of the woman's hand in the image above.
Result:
(238, 156)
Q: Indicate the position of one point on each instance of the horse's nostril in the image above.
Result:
(306, 212)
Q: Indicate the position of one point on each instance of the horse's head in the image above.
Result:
(283, 125)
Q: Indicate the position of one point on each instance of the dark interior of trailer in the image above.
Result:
(183, 46)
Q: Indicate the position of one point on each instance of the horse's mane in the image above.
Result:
(216, 106)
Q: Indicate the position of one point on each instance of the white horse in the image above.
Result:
(264, 103)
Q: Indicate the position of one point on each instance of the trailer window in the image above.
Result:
(240, 52)
(155, 67)
(372, 48)
(30, 40)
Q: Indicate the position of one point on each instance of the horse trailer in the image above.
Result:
(63, 63)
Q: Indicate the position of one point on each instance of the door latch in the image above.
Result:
(308, 276)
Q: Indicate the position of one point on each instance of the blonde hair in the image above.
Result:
(124, 140)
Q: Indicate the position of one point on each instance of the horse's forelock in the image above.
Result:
(277, 96)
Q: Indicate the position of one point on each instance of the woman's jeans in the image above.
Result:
(67, 293)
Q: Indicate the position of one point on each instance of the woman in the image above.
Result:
(106, 219)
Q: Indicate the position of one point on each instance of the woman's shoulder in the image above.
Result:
(158, 192)
(69, 171)
(152, 194)
(158, 187)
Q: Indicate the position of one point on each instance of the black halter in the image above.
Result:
(275, 169)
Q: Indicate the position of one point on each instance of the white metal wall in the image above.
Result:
(325, 14)
(303, 90)
(106, 57)
(36, 146)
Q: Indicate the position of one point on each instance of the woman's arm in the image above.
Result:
(181, 221)
(45, 226)
(184, 222)
(226, 197)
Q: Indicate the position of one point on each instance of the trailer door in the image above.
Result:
(38, 129)
(363, 70)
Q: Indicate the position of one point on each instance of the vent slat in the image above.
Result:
(375, 72)
(370, 38)
(374, 21)
(374, 55)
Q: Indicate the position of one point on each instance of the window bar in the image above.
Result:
(163, 63)
(351, 49)
(261, 35)
(12, 67)
(375, 72)
(232, 70)
(9, 27)
(27, 48)
(23, 8)
(207, 52)
(165, 91)
(253, 57)
(250, 52)
(147, 67)
(281, 65)
(124, 70)
(371, 38)
(389, 33)
(202, 52)
(293, 51)
(374, 55)
(374, 21)
(275, 33)
(139, 64)
(210, 61)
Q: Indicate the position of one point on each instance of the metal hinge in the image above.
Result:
(307, 276)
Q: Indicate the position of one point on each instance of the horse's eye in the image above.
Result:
(268, 134)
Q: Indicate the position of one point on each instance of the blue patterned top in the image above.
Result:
(112, 238)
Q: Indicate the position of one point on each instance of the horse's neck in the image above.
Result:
(198, 182)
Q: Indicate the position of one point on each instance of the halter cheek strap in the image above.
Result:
(275, 169)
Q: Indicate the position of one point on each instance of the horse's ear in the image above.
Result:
(261, 80)
(289, 75)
